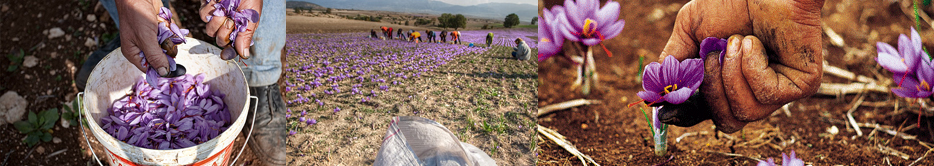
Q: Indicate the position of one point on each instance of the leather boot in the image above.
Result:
(269, 132)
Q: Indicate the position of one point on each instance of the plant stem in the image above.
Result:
(661, 141)
(590, 73)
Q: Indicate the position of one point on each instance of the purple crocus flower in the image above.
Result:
(711, 44)
(311, 122)
(550, 38)
(905, 60)
(589, 23)
(228, 8)
(786, 161)
(337, 109)
(304, 113)
(671, 81)
(916, 86)
(291, 132)
(301, 119)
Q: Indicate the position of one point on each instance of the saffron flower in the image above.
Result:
(905, 60)
(786, 161)
(589, 23)
(311, 122)
(550, 38)
(671, 81)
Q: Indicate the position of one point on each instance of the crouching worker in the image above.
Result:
(521, 51)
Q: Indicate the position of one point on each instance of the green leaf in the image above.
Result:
(46, 137)
(24, 127)
(11, 68)
(32, 138)
(74, 106)
(51, 116)
(33, 119)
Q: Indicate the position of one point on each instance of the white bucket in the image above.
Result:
(112, 79)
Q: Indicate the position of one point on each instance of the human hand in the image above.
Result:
(222, 27)
(138, 29)
(756, 77)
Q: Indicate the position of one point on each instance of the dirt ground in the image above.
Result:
(614, 134)
(465, 95)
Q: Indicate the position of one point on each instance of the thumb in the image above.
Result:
(681, 44)
(245, 40)
(155, 57)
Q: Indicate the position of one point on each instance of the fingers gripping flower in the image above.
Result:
(711, 44)
(671, 81)
(228, 8)
(169, 35)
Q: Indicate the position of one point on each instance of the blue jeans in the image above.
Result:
(265, 65)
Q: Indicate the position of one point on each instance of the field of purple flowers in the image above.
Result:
(343, 88)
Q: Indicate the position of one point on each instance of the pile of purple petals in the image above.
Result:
(228, 8)
(786, 161)
(168, 30)
(179, 112)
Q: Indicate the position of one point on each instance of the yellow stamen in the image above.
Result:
(673, 87)
(588, 29)
(545, 40)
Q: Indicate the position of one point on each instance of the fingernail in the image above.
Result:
(732, 45)
(162, 71)
(245, 53)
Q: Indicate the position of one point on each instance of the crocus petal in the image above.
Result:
(608, 13)
(892, 63)
(650, 97)
(151, 76)
(612, 30)
(591, 41)
(692, 71)
(679, 96)
(651, 77)
(670, 70)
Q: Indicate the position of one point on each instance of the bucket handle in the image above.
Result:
(94, 154)
(252, 123)
(80, 96)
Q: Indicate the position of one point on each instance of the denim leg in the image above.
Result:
(264, 67)
(111, 7)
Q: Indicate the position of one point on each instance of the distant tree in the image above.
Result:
(406, 22)
(460, 21)
(445, 20)
(534, 20)
(328, 11)
(511, 20)
(485, 26)
(298, 10)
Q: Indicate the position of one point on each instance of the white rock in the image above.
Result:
(65, 123)
(92, 18)
(90, 42)
(15, 39)
(656, 14)
(56, 32)
(30, 61)
(833, 130)
(56, 140)
(12, 107)
(27, 76)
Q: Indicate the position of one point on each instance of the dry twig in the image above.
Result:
(919, 158)
(838, 89)
(843, 73)
(849, 115)
(891, 151)
(565, 105)
(559, 139)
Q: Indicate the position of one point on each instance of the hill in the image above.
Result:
(303, 4)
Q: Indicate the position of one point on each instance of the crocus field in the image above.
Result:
(343, 88)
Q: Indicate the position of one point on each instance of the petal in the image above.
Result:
(651, 77)
(608, 14)
(711, 44)
(892, 63)
(591, 41)
(669, 71)
(612, 30)
(151, 77)
(171, 60)
(692, 71)
(650, 97)
(679, 96)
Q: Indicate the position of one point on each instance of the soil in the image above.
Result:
(462, 95)
(614, 134)
(48, 84)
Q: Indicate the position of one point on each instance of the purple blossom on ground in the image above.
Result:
(311, 122)
(291, 132)
(671, 81)
(590, 24)
(786, 161)
(337, 109)
(911, 66)
(550, 37)
(301, 119)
